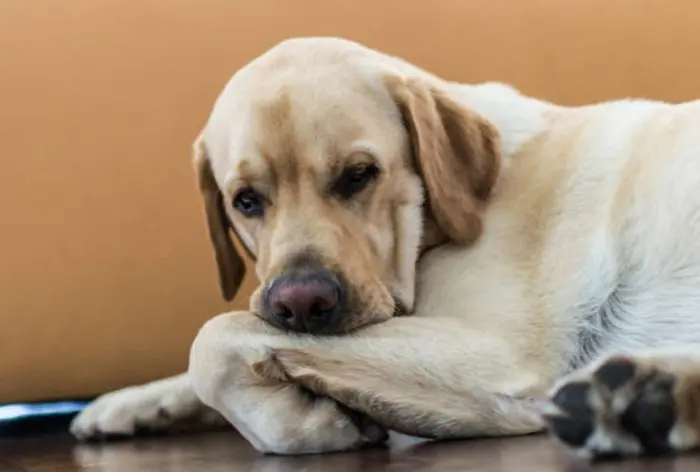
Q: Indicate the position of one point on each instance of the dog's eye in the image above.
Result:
(249, 203)
(354, 179)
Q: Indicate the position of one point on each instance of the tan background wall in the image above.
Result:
(105, 273)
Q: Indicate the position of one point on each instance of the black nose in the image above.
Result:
(307, 301)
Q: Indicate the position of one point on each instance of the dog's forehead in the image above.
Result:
(273, 113)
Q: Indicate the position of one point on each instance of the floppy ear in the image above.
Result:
(456, 152)
(229, 263)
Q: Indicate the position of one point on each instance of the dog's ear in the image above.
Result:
(456, 152)
(230, 264)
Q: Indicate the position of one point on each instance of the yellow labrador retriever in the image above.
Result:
(435, 259)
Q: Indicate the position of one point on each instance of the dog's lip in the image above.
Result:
(400, 308)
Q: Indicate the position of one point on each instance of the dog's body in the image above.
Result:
(578, 268)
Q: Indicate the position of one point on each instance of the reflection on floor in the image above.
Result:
(226, 451)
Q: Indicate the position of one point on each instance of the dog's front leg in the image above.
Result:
(163, 405)
(424, 377)
(275, 414)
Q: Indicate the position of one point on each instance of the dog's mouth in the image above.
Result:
(371, 316)
(400, 308)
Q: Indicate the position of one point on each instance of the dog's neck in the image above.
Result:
(517, 118)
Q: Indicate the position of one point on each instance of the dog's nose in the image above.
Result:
(305, 302)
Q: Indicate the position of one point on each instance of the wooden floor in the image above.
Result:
(226, 451)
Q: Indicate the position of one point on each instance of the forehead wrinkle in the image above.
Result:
(278, 140)
(350, 120)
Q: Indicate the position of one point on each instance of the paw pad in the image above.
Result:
(573, 398)
(574, 432)
(615, 373)
(652, 414)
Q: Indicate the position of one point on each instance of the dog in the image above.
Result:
(440, 260)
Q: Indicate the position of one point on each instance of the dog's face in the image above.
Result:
(334, 172)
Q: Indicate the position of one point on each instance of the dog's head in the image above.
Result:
(335, 166)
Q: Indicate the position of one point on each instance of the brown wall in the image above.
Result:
(105, 273)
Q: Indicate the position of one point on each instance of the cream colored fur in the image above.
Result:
(590, 248)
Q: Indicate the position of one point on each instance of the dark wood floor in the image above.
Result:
(226, 451)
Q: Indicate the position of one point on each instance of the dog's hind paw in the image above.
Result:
(640, 404)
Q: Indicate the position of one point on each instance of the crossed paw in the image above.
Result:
(629, 405)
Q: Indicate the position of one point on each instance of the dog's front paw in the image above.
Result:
(156, 407)
(323, 425)
(630, 405)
